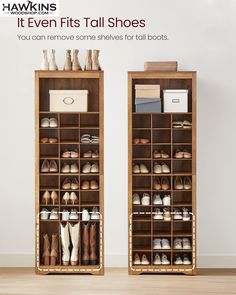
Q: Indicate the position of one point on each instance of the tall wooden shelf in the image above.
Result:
(70, 128)
(157, 127)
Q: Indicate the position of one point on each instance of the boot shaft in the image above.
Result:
(93, 243)
(46, 245)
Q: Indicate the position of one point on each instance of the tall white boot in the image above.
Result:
(52, 63)
(44, 64)
(65, 241)
(75, 237)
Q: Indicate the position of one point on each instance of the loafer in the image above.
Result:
(66, 154)
(94, 185)
(85, 185)
(74, 154)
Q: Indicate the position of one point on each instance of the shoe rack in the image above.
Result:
(68, 133)
(159, 130)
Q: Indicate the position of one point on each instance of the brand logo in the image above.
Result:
(17, 8)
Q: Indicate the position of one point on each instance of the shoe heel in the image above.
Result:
(46, 260)
(53, 260)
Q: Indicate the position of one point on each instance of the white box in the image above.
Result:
(175, 100)
(68, 100)
(147, 91)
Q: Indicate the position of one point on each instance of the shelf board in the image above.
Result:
(141, 249)
(182, 204)
(182, 234)
(161, 234)
(182, 250)
(68, 113)
(142, 233)
(162, 113)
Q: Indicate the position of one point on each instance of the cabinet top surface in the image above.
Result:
(68, 74)
(161, 74)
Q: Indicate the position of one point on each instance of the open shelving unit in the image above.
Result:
(158, 129)
(71, 126)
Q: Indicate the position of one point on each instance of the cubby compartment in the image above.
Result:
(142, 152)
(69, 120)
(69, 147)
(142, 134)
(141, 121)
(49, 133)
(49, 202)
(162, 229)
(160, 253)
(69, 135)
(65, 201)
(70, 166)
(161, 121)
(89, 198)
(161, 148)
(182, 228)
(49, 151)
(182, 136)
(161, 136)
(146, 163)
(141, 183)
(142, 228)
(85, 148)
(141, 243)
(184, 166)
(182, 198)
(49, 182)
(89, 120)
(181, 117)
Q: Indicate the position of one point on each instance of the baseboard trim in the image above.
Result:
(117, 260)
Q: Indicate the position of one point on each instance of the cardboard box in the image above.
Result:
(162, 66)
(147, 91)
(68, 100)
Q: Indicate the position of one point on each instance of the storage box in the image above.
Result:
(148, 105)
(168, 66)
(147, 91)
(175, 100)
(68, 100)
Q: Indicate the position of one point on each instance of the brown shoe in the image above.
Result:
(179, 183)
(44, 140)
(93, 184)
(46, 248)
(85, 244)
(54, 249)
(93, 244)
(45, 166)
(66, 184)
(85, 185)
(165, 185)
(157, 184)
(53, 166)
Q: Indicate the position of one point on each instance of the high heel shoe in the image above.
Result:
(54, 197)
(73, 198)
(65, 198)
(45, 198)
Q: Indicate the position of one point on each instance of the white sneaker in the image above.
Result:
(54, 214)
(165, 243)
(85, 215)
(157, 244)
(53, 122)
(143, 169)
(186, 215)
(165, 168)
(186, 243)
(166, 200)
(178, 260)
(157, 168)
(65, 215)
(157, 199)
(158, 214)
(144, 260)
(136, 199)
(177, 214)
(157, 259)
(74, 214)
(136, 259)
(44, 214)
(45, 123)
(74, 168)
(164, 259)
(178, 243)
(95, 214)
(186, 260)
(145, 199)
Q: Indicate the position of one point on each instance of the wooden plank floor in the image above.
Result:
(23, 281)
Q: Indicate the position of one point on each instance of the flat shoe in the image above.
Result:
(53, 166)
(95, 154)
(94, 168)
(165, 185)
(86, 168)
(66, 184)
(45, 166)
(53, 122)
(157, 168)
(144, 140)
(74, 154)
(187, 155)
(164, 155)
(74, 184)
(44, 140)
(187, 124)
(143, 169)
(165, 168)
(45, 123)
(66, 154)
(94, 184)
(177, 124)
(53, 140)
(187, 183)
(136, 169)
(178, 154)
(136, 140)
(179, 183)
(157, 184)
(85, 185)
(156, 154)
(87, 154)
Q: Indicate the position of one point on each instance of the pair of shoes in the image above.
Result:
(70, 168)
(49, 123)
(160, 168)
(69, 215)
(182, 260)
(92, 60)
(48, 140)
(94, 214)
(89, 244)
(144, 260)
(182, 154)
(161, 183)
(70, 184)
(163, 259)
(90, 168)
(91, 154)
(183, 243)
(47, 196)
(141, 140)
(70, 154)
(182, 214)
(88, 138)
(50, 252)
(145, 200)
(182, 124)
(160, 154)
(181, 184)
(45, 214)
(92, 184)
(70, 198)
(161, 244)
(157, 200)
(140, 168)
(49, 166)
(70, 232)
(158, 214)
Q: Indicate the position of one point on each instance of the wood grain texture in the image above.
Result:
(23, 281)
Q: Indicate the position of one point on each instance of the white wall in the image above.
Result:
(202, 38)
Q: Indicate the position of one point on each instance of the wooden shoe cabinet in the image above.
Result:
(71, 126)
(159, 130)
